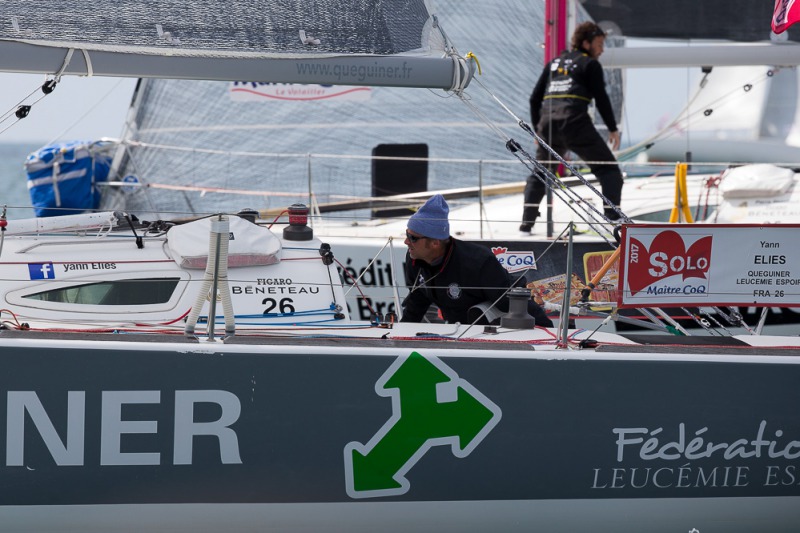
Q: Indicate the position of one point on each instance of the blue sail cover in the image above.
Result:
(63, 178)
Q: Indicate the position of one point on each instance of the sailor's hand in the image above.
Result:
(614, 139)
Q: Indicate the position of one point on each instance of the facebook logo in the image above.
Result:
(41, 270)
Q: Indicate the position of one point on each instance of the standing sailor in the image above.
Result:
(560, 115)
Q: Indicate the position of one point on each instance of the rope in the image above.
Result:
(65, 64)
(545, 175)
(590, 215)
(683, 117)
(22, 110)
(364, 271)
(520, 278)
(355, 284)
(594, 218)
(88, 60)
(550, 180)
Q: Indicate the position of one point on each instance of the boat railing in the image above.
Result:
(82, 242)
(102, 222)
(344, 184)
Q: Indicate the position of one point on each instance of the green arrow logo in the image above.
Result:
(431, 406)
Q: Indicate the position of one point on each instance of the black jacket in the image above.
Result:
(566, 88)
(469, 275)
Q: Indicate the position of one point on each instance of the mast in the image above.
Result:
(555, 41)
(555, 29)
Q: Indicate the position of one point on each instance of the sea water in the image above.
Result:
(13, 180)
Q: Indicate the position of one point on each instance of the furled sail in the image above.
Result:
(745, 104)
(713, 33)
(733, 20)
(359, 42)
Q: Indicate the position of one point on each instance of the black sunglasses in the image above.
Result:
(414, 238)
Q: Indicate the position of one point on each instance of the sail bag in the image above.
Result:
(63, 178)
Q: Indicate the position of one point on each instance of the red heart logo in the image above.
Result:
(666, 257)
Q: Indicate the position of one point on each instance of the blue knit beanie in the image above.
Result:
(431, 219)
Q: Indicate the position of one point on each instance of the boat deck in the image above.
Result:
(638, 343)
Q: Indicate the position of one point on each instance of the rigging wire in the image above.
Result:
(588, 212)
(664, 132)
(47, 87)
(22, 109)
(549, 178)
(684, 117)
(535, 167)
(94, 107)
(14, 108)
(520, 278)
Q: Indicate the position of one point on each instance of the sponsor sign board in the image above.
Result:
(710, 264)
(292, 425)
(295, 92)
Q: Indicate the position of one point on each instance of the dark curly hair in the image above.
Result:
(585, 32)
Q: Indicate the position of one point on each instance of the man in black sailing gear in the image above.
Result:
(560, 115)
(462, 278)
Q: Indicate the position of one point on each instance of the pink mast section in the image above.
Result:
(555, 29)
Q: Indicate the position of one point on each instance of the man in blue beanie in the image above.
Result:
(462, 278)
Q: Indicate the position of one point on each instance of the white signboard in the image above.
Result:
(672, 265)
(515, 260)
(294, 92)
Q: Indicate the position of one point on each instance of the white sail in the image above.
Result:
(205, 137)
(387, 43)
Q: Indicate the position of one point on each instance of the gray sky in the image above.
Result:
(78, 108)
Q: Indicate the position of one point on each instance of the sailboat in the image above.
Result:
(289, 413)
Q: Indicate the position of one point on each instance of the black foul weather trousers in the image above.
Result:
(576, 134)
